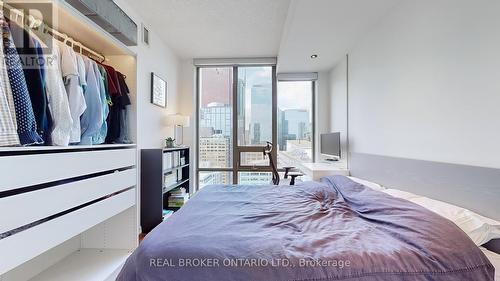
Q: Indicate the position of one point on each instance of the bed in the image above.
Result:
(495, 261)
(336, 229)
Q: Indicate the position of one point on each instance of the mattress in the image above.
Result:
(333, 230)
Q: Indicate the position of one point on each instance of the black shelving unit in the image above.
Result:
(155, 165)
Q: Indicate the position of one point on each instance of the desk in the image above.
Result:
(318, 170)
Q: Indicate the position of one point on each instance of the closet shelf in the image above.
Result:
(86, 264)
(71, 147)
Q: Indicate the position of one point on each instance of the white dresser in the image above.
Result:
(67, 213)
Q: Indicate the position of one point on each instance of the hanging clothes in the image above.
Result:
(62, 122)
(70, 75)
(115, 109)
(8, 126)
(33, 71)
(81, 72)
(7, 89)
(91, 120)
(42, 62)
(8, 132)
(104, 75)
(26, 123)
(100, 137)
(125, 109)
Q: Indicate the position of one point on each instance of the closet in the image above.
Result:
(70, 212)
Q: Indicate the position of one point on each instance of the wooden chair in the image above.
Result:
(290, 173)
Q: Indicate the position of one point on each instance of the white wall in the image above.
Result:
(187, 97)
(338, 104)
(322, 110)
(157, 58)
(187, 106)
(424, 83)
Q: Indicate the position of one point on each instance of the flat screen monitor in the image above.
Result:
(330, 145)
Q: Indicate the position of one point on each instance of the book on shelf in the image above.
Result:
(169, 178)
(167, 213)
(178, 191)
(177, 199)
(176, 158)
(167, 160)
(179, 174)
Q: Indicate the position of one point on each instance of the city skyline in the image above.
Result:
(254, 126)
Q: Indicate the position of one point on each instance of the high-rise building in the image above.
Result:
(293, 124)
(218, 117)
(255, 178)
(215, 138)
(242, 132)
(298, 122)
(209, 178)
(214, 152)
(260, 123)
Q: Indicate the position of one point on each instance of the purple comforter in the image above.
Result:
(333, 230)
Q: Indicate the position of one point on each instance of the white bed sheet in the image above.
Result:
(494, 259)
(367, 183)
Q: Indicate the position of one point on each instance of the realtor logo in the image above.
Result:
(26, 26)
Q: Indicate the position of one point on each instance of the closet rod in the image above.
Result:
(36, 24)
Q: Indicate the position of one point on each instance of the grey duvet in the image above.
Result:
(335, 229)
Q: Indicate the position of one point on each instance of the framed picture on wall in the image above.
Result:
(158, 91)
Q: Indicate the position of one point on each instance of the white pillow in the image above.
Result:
(400, 194)
(480, 229)
(366, 183)
(495, 261)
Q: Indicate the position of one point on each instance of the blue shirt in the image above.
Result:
(92, 119)
(100, 137)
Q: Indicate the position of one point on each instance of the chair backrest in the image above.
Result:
(268, 152)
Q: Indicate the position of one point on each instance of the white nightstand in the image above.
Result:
(318, 170)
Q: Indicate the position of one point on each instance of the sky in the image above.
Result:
(291, 95)
(294, 95)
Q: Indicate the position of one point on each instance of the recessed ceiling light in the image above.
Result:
(314, 56)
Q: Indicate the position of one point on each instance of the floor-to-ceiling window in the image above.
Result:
(240, 109)
(255, 95)
(295, 122)
(215, 125)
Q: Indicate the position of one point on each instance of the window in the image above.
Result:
(255, 178)
(215, 118)
(240, 108)
(295, 122)
(255, 105)
(209, 178)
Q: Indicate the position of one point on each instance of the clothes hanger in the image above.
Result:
(80, 49)
(32, 22)
(45, 28)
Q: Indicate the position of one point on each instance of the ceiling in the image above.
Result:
(327, 28)
(216, 28)
(291, 30)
